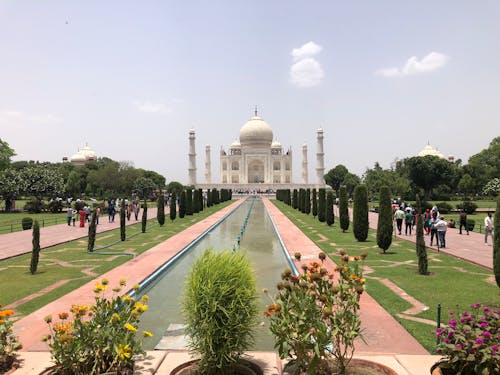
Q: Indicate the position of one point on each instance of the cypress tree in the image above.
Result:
(122, 224)
(92, 231)
(360, 213)
(321, 205)
(308, 202)
(35, 252)
(301, 201)
(314, 204)
(295, 198)
(160, 216)
(189, 202)
(288, 197)
(384, 225)
(182, 205)
(420, 243)
(144, 216)
(330, 218)
(196, 202)
(200, 197)
(215, 196)
(343, 209)
(209, 198)
(173, 207)
(496, 243)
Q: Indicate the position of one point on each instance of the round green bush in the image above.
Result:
(444, 207)
(27, 223)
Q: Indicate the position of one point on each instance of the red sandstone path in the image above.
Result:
(467, 247)
(17, 243)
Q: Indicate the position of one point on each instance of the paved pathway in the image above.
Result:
(17, 243)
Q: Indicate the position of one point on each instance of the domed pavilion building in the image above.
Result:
(83, 156)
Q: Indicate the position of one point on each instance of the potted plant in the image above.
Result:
(314, 317)
(220, 311)
(9, 343)
(470, 342)
(98, 339)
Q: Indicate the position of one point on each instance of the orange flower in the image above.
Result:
(63, 315)
(6, 313)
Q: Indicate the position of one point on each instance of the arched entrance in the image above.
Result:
(255, 172)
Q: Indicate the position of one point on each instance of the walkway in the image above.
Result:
(17, 243)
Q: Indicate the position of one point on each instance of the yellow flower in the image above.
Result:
(123, 282)
(147, 334)
(136, 287)
(124, 352)
(48, 319)
(115, 318)
(145, 298)
(117, 289)
(99, 288)
(105, 281)
(130, 327)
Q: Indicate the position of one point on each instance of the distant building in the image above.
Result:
(429, 150)
(83, 156)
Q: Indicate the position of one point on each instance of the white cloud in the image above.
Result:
(427, 64)
(11, 117)
(306, 71)
(149, 107)
(307, 50)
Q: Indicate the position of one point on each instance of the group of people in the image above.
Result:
(130, 207)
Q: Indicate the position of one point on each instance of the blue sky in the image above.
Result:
(131, 78)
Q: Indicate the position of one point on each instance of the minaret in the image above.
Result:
(304, 165)
(320, 160)
(192, 158)
(208, 166)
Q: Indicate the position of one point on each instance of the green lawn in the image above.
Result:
(11, 222)
(451, 281)
(68, 261)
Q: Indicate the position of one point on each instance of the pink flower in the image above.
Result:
(458, 346)
(479, 340)
(486, 334)
(495, 348)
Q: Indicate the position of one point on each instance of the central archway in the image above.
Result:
(255, 172)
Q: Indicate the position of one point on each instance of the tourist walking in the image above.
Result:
(463, 222)
(83, 213)
(408, 221)
(97, 214)
(399, 215)
(488, 228)
(432, 223)
(427, 221)
(441, 226)
(69, 215)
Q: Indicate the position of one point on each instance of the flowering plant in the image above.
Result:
(314, 315)
(100, 338)
(8, 341)
(471, 341)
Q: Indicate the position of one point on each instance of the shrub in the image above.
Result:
(321, 205)
(55, 206)
(34, 206)
(314, 316)
(196, 201)
(343, 209)
(468, 206)
(470, 342)
(189, 202)
(360, 213)
(295, 199)
(101, 338)
(330, 217)
(27, 223)
(314, 203)
(35, 252)
(470, 224)
(79, 205)
(307, 208)
(444, 207)
(122, 224)
(182, 203)
(160, 215)
(173, 207)
(92, 232)
(9, 343)
(220, 309)
(385, 223)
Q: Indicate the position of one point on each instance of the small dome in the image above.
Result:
(78, 158)
(236, 144)
(88, 153)
(256, 132)
(428, 150)
(276, 144)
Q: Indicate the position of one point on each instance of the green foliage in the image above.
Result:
(196, 201)
(9, 343)
(321, 205)
(360, 213)
(220, 309)
(428, 172)
(144, 217)
(55, 206)
(182, 204)
(335, 177)
(27, 223)
(200, 198)
(314, 316)
(189, 201)
(420, 247)
(485, 165)
(496, 243)
(145, 187)
(175, 187)
(377, 177)
(307, 208)
(329, 215)
(35, 252)
(34, 206)
(6, 153)
(314, 203)
(385, 222)
(295, 199)
(444, 207)
(160, 215)
(173, 207)
(122, 224)
(92, 232)
(102, 339)
(343, 209)
(492, 187)
(468, 206)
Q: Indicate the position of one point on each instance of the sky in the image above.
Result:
(130, 78)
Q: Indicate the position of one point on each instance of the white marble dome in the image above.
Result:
(78, 158)
(256, 132)
(429, 150)
(276, 144)
(236, 144)
(88, 153)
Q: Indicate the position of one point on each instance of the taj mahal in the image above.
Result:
(256, 161)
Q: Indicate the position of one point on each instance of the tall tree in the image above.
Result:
(295, 199)
(485, 165)
(35, 252)
(189, 201)
(123, 234)
(384, 224)
(6, 153)
(145, 187)
(92, 232)
(196, 201)
(343, 209)
(360, 213)
(335, 177)
(175, 187)
(307, 208)
(314, 203)
(173, 207)
(330, 218)
(420, 243)
(200, 197)
(428, 172)
(496, 243)
(160, 215)
(182, 204)
(321, 205)
(144, 216)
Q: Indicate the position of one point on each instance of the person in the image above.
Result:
(83, 214)
(137, 208)
(441, 226)
(69, 215)
(87, 213)
(463, 222)
(399, 216)
(408, 221)
(75, 216)
(451, 223)
(111, 212)
(432, 223)
(427, 221)
(97, 214)
(488, 228)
